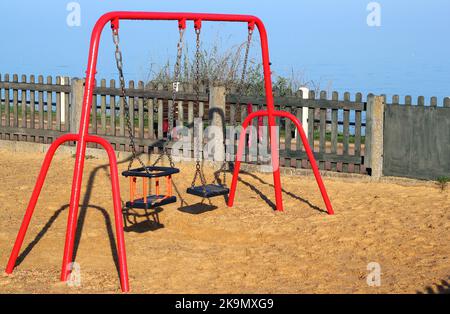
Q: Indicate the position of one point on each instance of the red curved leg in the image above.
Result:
(239, 154)
(117, 210)
(311, 158)
(73, 207)
(34, 197)
(274, 148)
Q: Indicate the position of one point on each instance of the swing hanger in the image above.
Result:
(197, 25)
(182, 24)
(251, 26)
(115, 25)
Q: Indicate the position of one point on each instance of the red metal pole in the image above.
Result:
(239, 155)
(34, 197)
(81, 150)
(117, 210)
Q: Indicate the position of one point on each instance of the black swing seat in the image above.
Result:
(210, 190)
(155, 172)
(153, 201)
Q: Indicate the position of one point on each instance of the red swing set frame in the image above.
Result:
(83, 137)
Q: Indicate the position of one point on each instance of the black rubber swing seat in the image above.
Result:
(153, 201)
(155, 172)
(210, 190)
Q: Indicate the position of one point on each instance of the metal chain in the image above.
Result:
(241, 84)
(175, 87)
(198, 166)
(176, 82)
(119, 64)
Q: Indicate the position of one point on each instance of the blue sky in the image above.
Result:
(326, 41)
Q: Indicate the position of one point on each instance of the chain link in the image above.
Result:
(241, 84)
(176, 82)
(130, 128)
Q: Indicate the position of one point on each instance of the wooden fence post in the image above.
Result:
(76, 102)
(374, 136)
(217, 103)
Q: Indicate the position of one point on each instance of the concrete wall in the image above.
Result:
(417, 142)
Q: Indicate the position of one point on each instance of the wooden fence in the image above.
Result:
(336, 129)
(31, 111)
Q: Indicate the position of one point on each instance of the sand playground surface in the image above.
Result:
(250, 248)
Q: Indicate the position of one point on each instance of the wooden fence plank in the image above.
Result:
(346, 132)
(189, 152)
(32, 104)
(294, 101)
(201, 108)
(180, 115)
(345, 159)
(421, 101)
(151, 118)
(41, 103)
(141, 112)
(334, 130)
(29, 133)
(49, 106)
(131, 107)
(253, 148)
(67, 105)
(1, 105)
(298, 112)
(447, 102)
(358, 132)
(298, 141)
(36, 87)
(7, 104)
(322, 129)
(58, 105)
(121, 116)
(233, 108)
(103, 109)
(395, 99)
(23, 104)
(15, 103)
(160, 114)
(433, 101)
(311, 119)
(94, 114)
(408, 100)
(148, 93)
(112, 110)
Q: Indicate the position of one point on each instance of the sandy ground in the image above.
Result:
(246, 249)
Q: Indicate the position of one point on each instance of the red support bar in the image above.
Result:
(304, 139)
(34, 197)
